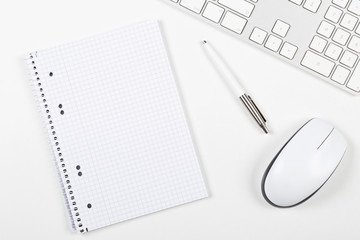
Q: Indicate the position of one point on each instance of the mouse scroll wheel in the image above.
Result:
(325, 139)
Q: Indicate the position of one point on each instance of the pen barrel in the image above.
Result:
(220, 65)
(235, 86)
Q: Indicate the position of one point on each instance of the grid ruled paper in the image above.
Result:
(121, 134)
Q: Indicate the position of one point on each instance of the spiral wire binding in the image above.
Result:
(62, 171)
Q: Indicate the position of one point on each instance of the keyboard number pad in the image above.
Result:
(334, 51)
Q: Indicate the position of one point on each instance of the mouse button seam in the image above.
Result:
(325, 138)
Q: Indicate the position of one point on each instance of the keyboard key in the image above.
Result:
(325, 29)
(258, 35)
(354, 82)
(193, 5)
(348, 59)
(213, 12)
(298, 2)
(288, 50)
(240, 6)
(354, 44)
(349, 21)
(340, 3)
(281, 28)
(333, 51)
(358, 29)
(273, 43)
(341, 36)
(317, 63)
(333, 14)
(312, 5)
(318, 44)
(354, 7)
(340, 75)
(234, 22)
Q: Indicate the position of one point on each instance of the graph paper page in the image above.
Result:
(117, 126)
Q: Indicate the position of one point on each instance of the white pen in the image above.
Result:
(235, 86)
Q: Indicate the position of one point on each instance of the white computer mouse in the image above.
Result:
(304, 164)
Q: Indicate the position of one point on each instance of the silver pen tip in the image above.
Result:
(266, 130)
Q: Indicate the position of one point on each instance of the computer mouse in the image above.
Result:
(304, 164)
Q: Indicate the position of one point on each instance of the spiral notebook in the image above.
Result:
(116, 125)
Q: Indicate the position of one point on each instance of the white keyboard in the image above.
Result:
(319, 36)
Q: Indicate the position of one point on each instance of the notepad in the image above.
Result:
(116, 124)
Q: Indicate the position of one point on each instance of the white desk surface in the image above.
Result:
(233, 151)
